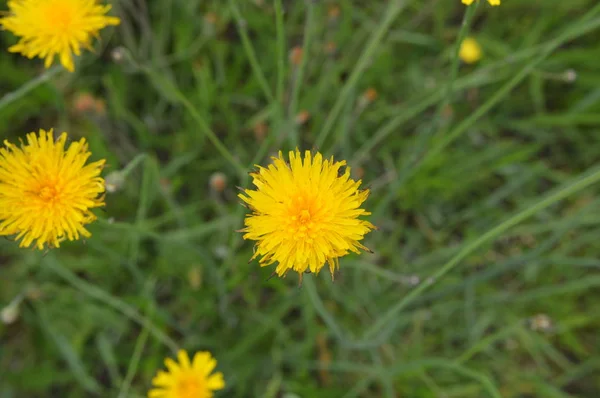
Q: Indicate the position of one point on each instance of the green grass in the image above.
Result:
(485, 188)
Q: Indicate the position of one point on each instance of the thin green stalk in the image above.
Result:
(360, 387)
(462, 34)
(173, 92)
(250, 53)
(560, 194)
(11, 97)
(309, 287)
(148, 184)
(485, 381)
(487, 342)
(241, 170)
(262, 150)
(258, 72)
(299, 73)
(392, 11)
(96, 293)
(134, 363)
(68, 352)
(133, 163)
(280, 51)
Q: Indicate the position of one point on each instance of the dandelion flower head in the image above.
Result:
(492, 2)
(47, 190)
(187, 379)
(470, 51)
(305, 213)
(47, 28)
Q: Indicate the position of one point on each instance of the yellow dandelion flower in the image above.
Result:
(305, 214)
(492, 2)
(470, 51)
(47, 191)
(188, 379)
(55, 27)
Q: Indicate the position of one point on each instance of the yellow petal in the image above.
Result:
(184, 359)
(216, 381)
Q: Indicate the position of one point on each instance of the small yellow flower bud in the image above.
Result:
(470, 51)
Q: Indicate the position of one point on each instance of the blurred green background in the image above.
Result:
(444, 308)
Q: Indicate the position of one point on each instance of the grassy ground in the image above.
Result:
(484, 278)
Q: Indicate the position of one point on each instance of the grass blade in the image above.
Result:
(562, 193)
(392, 11)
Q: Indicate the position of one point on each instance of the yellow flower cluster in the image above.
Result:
(47, 190)
(188, 379)
(50, 28)
(305, 213)
(492, 2)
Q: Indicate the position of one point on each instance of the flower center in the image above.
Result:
(302, 223)
(304, 216)
(59, 16)
(48, 193)
(190, 387)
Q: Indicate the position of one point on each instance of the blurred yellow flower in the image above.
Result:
(187, 379)
(55, 27)
(47, 191)
(470, 51)
(305, 213)
(492, 2)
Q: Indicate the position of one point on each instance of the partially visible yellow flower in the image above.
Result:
(47, 191)
(187, 379)
(305, 213)
(55, 27)
(470, 51)
(492, 2)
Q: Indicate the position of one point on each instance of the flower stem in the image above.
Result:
(11, 97)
